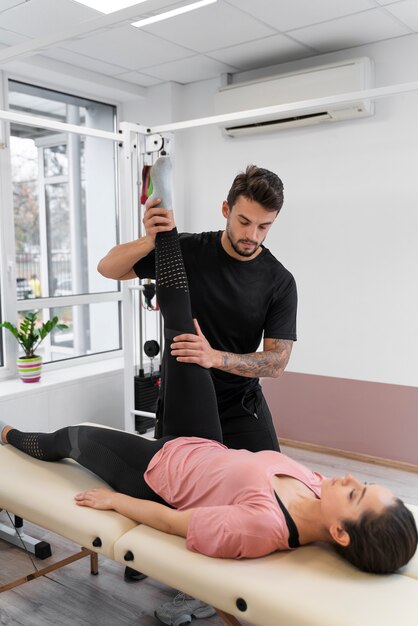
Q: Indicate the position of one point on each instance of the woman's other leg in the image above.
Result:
(189, 399)
(119, 458)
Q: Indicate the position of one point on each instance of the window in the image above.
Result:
(88, 330)
(65, 220)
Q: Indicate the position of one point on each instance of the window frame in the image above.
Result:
(11, 306)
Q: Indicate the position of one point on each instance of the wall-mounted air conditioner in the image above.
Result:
(323, 81)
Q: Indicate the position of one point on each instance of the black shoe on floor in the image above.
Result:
(132, 576)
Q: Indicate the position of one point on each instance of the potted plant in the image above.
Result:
(29, 338)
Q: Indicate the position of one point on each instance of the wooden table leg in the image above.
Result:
(94, 563)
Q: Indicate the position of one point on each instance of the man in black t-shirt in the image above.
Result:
(240, 295)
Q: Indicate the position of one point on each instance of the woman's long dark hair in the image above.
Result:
(383, 543)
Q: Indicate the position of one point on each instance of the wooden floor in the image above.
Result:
(73, 597)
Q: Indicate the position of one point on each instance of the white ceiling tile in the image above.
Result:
(406, 11)
(9, 38)
(139, 79)
(354, 30)
(44, 17)
(5, 5)
(215, 26)
(383, 2)
(288, 14)
(190, 70)
(262, 52)
(128, 47)
(81, 60)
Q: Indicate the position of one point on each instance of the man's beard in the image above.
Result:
(246, 252)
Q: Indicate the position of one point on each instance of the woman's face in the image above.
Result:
(346, 498)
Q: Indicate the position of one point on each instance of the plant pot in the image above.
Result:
(29, 368)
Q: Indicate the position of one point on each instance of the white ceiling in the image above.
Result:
(226, 37)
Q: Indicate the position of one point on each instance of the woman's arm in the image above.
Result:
(152, 514)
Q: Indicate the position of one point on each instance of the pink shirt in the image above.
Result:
(237, 514)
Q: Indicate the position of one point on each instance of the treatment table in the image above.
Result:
(310, 586)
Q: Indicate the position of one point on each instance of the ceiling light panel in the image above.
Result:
(109, 6)
(173, 13)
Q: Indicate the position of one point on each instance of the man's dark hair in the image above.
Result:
(383, 543)
(259, 185)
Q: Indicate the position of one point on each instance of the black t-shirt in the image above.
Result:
(235, 302)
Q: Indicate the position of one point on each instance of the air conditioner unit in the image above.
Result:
(323, 81)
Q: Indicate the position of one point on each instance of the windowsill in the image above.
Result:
(65, 376)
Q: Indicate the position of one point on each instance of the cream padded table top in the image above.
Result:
(43, 493)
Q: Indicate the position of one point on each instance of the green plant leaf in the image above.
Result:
(28, 336)
(10, 327)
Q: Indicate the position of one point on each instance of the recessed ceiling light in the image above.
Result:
(173, 13)
(109, 6)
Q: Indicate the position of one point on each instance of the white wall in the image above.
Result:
(349, 226)
(65, 398)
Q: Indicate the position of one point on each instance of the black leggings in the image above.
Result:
(190, 402)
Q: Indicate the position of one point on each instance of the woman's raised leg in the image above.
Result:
(189, 401)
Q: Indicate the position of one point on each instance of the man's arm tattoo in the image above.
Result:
(269, 363)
